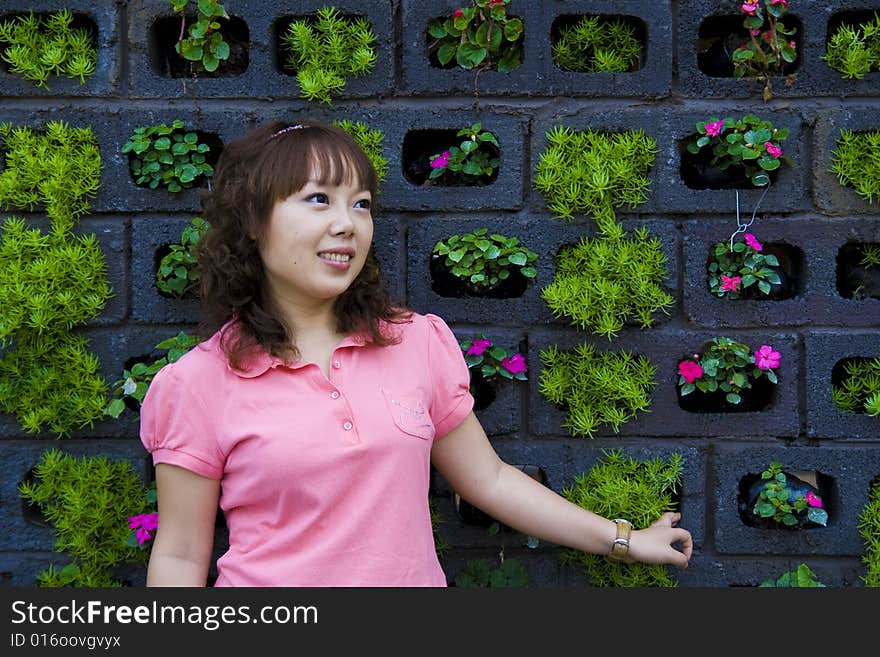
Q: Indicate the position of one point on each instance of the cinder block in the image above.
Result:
(665, 348)
(112, 234)
(737, 572)
(824, 349)
(419, 77)
(849, 473)
(105, 81)
(653, 79)
(818, 303)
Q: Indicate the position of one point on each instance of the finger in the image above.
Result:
(685, 542)
(668, 519)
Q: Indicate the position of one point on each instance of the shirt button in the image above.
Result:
(347, 426)
(336, 364)
(334, 394)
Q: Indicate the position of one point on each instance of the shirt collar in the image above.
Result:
(259, 361)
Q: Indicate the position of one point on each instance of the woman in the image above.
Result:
(316, 408)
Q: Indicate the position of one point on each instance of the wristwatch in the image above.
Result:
(620, 545)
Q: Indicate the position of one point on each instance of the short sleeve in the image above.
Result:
(176, 427)
(451, 401)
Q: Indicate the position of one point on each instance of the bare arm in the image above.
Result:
(181, 553)
(467, 460)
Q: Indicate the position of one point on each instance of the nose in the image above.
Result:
(343, 222)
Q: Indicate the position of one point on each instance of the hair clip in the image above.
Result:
(298, 126)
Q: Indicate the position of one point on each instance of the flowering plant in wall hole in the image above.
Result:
(474, 160)
(735, 266)
(770, 45)
(727, 366)
(786, 499)
(490, 360)
(479, 36)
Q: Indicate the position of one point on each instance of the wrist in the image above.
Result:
(620, 544)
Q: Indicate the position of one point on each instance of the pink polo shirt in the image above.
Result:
(324, 478)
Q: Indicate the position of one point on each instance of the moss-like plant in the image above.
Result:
(37, 47)
(171, 156)
(135, 382)
(596, 387)
(859, 391)
(178, 272)
(370, 141)
(594, 172)
(325, 49)
(869, 529)
(484, 260)
(802, 576)
(619, 486)
(597, 44)
(479, 573)
(49, 282)
(602, 283)
(856, 164)
(203, 46)
(88, 501)
(854, 50)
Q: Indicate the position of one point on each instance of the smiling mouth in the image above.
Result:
(335, 257)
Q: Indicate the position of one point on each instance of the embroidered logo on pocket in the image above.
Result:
(410, 414)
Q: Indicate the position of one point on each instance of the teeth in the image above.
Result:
(336, 257)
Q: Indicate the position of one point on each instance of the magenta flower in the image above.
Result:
(440, 161)
(756, 32)
(766, 358)
(730, 283)
(753, 242)
(784, 3)
(813, 499)
(690, 370)
(514, 364)
(495, 2)
(772, 149)
(144, 523)
(750, 7)
(458, 13)
(478, 347)
(713, 128)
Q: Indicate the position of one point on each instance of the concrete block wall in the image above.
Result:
(806, 212)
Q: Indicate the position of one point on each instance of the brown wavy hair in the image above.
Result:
(265, 165)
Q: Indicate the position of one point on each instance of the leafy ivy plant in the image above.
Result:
(203, 45)
(473, 161)
(855, 163)
(597, 44)
(479, 573)
(178, 273)
(37, 47)
(480, 36)
(802, 576)
(484, 260)
(171, 156)
(327, 48)
(854, 50)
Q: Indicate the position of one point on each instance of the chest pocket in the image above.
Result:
(409, 414)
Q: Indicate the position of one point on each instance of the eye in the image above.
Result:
(363, 204)
(318, 197)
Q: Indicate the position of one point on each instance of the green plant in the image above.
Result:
(855, 162)
(38, 47)
(854, 50)
(735, 266)
(597, 44)
(602, 283)
(441, 545)
(859, 390)
(596, 388)
(178, 272)
(728, 366)
(770, 46)
(324, 50)
(511, 573)
(594, 172)
(371, 143)
(870, 256)
(88, 501)
(171, 156)
(619, 486)
(490, 361)
(802, 576)
(869, 530)
(749, 144)
(135, 382)
(481, 36)
(470, 161)
(484, 260)
(203, 44)
(778, 502)
(49, 282)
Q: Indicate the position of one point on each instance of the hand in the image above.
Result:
(654, 544)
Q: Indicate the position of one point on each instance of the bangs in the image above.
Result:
(325, 154)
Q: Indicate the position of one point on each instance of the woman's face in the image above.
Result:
(316, 242)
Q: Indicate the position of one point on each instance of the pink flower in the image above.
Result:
(478, 347)
(713, 128)
(440, 161)
(784, 3)
(144, 523)
(458, 13)
(690, 370)
(514, 364)
(730, 283)
(772, 149)
(792, 44)
(756, 32)
(753, 242)
(750, 7)
(813, 499)
(766, 358)
(495, 2)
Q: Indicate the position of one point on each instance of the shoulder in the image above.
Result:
(417, 327)
(204, 362)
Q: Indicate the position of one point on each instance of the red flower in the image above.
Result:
(458, 13)
(690, 370)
